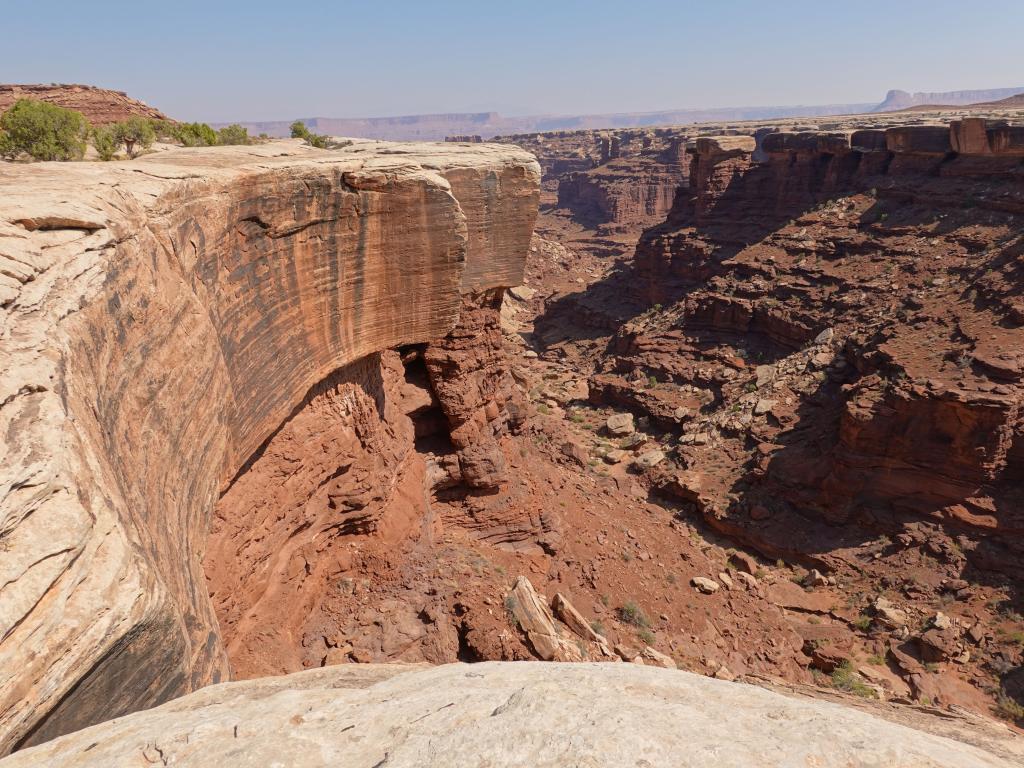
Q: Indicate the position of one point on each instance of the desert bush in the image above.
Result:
(631, 613)
(233, 134)
(105, 142)
(43, 131)
(1010, 708)
(300, 131)
(195, 135)
(845, 679)
(135, 133)
(164, 129)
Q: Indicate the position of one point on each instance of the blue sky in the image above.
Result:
(221, 60)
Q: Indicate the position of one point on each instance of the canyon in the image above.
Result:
(741, 400)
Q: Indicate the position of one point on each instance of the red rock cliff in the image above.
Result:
(164, 320)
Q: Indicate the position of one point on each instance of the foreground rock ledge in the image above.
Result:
(159, 320)
(502, 714)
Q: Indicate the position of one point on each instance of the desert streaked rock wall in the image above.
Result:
(160, 319)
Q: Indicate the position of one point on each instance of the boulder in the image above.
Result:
(535, 621)
(649, 459)
(744, 562)
(888, 614)
(705, 585)
(573, 450)
(620, 424)
(655, 658)
(786, 594)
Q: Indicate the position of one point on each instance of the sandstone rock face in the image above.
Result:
(944, 437)
(615, 181)
(507, 714)
(161, 320)
(99, 105)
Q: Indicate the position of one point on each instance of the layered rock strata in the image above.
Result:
(99, 105)
(903, 244)
(164, 323)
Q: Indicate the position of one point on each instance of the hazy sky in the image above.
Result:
(220, 60)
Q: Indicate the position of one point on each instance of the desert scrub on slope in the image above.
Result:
(631, 613)
(845, 679)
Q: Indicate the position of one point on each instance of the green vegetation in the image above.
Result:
(510, 610)
(1010, 708)
(195, 134)
(646, 636)
(845, 679)
(135, 133)
(42, 131)
(597, 626)
(233, 134)
(862, 622)
(631, 613)
(300, 131)
(105, 142)
(876, 660)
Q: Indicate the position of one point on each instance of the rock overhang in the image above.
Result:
(160, 318)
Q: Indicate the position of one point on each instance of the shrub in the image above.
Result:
(233, 134)
(164, 129)
(42, 131)
(195, 135)
(105, 142)
(1009, 708)
(630, 613)
(646, 636)
(845, 679)
(300, 131)
(135, 133)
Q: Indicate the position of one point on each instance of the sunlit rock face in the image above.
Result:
(160, 320)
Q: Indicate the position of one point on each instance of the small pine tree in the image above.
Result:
(300, 131)
(43, 131)
(105, 142)
(135, 133)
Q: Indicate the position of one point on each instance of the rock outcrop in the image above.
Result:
(164, 323)
(515, 714)
(820, 346)
(99, 105)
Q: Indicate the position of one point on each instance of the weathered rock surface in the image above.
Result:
(99, 105)
(508, 714)
(822, 340)
(161, 319)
